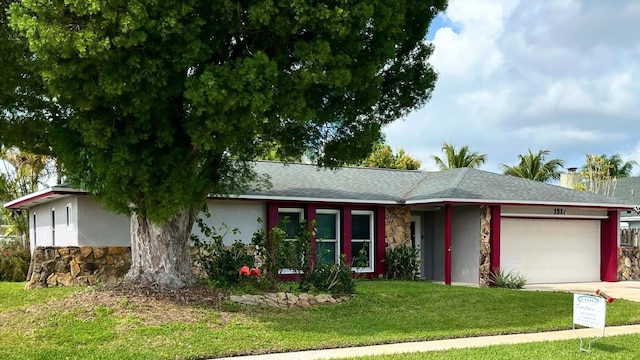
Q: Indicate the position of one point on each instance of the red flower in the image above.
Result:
(245, 270)
(255, 272)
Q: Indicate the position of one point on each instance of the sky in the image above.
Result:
(561, 75)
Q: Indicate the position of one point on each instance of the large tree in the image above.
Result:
(535, 167)
(458, 158)
(160, 103)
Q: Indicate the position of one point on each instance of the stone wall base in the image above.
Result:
(77, 266)
(628, 263)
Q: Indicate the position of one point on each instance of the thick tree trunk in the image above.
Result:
(160, 253)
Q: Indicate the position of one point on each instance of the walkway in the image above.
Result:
(628, 290)
(439, 345)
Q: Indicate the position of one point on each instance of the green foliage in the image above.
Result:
(459, 158)
(535, 167)
(508, 280)
(382, 156)
(21, 173)
(403, 263)
(220, 263)
(332, 278)
(157, 105)
(14, 261)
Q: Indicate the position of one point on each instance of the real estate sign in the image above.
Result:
(589, 311)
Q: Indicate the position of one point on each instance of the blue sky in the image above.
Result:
(515, 75)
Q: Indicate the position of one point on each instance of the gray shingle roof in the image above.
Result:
(628, 189)
(303, 181)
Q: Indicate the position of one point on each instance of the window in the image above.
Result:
(289, 220)
(69, 220)
(53, 226)
(362, 240)
(327, 236)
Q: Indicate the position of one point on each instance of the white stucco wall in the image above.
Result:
(465, 244)
(438, 245)
(100, 227)
(240, 214)
(65, 235)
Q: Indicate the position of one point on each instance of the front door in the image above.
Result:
(417, 239)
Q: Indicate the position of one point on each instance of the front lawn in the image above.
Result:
(614, 347)
(96, 325)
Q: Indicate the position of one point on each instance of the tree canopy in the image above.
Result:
(458, 158)
(383, 156)
(21, 173)
(150, 106)
(535, 167)
(615, 166)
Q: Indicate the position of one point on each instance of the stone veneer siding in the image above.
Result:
(397, 226)
(628, 263)
(77, 266)
(485, 245)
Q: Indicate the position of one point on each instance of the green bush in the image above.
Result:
(403, 263)
(220, 263)
(332, 278)
(509, 280)
(14, 261)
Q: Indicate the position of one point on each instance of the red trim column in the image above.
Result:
(494, 239)
(311, 216)
(447, 244)
(272, 216)
(345, 236)
(380, 244)
(609, 247)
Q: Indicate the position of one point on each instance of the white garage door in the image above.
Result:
(551, 251)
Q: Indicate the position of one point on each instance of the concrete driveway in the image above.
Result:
(628, 290)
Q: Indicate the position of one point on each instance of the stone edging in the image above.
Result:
(287, 300)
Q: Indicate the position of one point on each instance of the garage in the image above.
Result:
(551, 250)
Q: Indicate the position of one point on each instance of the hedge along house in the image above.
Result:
(464, 222)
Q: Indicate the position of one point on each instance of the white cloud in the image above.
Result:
(519, 75)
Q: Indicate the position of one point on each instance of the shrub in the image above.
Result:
(219, 262)
(14, 261)
(403, 263)
(509, 280)
(332, 278)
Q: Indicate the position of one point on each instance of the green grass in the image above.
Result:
(13, 295)
(381, 312)
(615, 347)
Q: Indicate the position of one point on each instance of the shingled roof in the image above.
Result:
(385, 186)
(304, 182)
(628, 189)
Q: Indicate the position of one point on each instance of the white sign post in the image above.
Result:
(589, 311)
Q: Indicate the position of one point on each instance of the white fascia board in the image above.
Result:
(40, 194)
(308, 199)
(517, 202)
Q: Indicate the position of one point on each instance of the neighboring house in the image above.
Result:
(464, 222)
(628, 189)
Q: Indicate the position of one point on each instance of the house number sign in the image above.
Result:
(559, 211)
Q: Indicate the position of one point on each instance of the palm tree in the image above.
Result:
(534, 167)
(458, 159)
(618, 168)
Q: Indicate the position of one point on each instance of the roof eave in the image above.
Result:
(24, 201)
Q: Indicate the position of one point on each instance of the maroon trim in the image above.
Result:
(345, 243)
(447, 244)
(311, 214)
(272, 216)
(609, 248)
(379, 267)
(494, 239)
